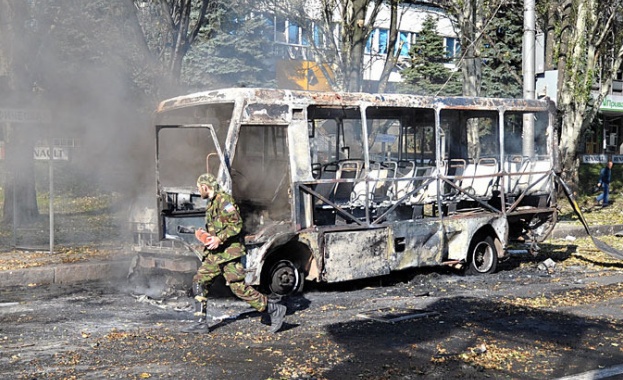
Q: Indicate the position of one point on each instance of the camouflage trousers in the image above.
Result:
(215, 264)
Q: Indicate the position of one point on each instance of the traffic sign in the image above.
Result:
(23, 115)
(43, 153)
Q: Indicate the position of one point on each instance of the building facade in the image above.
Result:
(297, 45)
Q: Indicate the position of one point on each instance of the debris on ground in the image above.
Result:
(547, 266)
(393, 314)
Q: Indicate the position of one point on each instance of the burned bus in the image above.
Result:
(335, 186)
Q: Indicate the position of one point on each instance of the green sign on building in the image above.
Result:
(612, 103)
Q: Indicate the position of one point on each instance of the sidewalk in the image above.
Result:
(19, 268)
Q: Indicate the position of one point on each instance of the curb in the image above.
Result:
(66, 273)
(563, 229)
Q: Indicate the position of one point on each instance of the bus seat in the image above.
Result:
(521, 179)
(377, 186)
(512, 165)
(533, 171)
(539, 170)
(428, 193)
(348, 169)
(479, 178)
(358, 195)
(326, 189)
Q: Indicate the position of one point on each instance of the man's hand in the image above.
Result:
(210, 242)
(213, 243)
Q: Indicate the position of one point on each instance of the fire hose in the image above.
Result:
(598, 243)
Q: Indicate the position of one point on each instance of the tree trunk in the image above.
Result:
(585, 36)
(470, 23)
(355, 41)
(550, 36)
(180, 40)
(20, 201)
(390, 58)
(20, 198)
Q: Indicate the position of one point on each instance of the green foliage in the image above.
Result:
(234, 49)
(501, 53)
(427, 74)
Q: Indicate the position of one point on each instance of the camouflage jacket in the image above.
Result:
(223, 220)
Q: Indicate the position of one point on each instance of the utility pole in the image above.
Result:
(528, 74)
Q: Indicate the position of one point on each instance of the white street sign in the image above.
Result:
(23, 115)
(43, 153)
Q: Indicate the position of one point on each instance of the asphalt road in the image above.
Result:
(520, 323)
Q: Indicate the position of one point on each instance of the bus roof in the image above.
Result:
(342, 99)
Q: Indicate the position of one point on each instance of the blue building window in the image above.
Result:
(383, 40)
(403, 44)
(370, 42)
(293, 33)
(453, 47)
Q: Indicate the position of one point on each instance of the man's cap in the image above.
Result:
(207, 179)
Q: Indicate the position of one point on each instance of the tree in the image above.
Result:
(469, 20)
(391, 56)
(502, 54)
(337, 31)
(18, 81)
(171, 26)
(590, 49)
(234, 49)
(481, 27)
(66, 57)
(354, 31)
(427, 74)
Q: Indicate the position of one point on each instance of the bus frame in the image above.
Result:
(337, 186)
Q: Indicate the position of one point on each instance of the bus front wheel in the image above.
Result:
(483, 256)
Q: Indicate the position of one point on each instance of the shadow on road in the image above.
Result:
(471, 338)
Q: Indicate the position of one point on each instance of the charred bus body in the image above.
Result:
(342, 186)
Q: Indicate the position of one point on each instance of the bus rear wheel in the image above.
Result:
(483, 256)
(285, 278)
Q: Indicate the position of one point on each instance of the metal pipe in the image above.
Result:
(528, 75)
(51, 178)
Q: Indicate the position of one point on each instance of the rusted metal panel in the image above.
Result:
(462, 228)
(358, 254)
(417, 243)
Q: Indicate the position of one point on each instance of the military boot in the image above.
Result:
(201, 305)
(201, 309)
(201, 325)
(197, 327)
(277, 313)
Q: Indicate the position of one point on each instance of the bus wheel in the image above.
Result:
(483, 256)
(285, 278)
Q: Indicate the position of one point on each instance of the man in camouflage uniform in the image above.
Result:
(223, 249)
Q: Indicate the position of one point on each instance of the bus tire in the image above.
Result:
(285, 278)
(483, 256)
